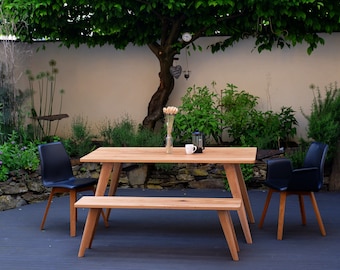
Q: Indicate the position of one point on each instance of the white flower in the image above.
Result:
(170, 110)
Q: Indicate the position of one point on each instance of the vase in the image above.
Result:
(168, 144)
(169, 121)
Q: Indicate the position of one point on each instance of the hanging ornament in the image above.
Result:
(176, 71)
(187, 72)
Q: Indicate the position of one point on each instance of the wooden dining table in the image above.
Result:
(112, 159)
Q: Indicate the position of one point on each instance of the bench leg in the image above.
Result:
(89, 230)
(229, 233)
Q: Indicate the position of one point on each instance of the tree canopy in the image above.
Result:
(159, 24)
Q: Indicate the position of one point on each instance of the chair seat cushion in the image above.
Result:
(277, 184)
(72, 183)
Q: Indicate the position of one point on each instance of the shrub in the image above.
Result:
(16, 156)
(80, 142)
(238, 111)
(233, 116)
(125, 133)
(199, 111)
(324, 119)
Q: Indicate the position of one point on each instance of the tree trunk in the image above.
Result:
(166, 85)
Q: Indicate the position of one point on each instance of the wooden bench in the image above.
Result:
(221, 205)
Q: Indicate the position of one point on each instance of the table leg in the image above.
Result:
(244, 193)
(117, 167)
(232, 177)
(103, 178)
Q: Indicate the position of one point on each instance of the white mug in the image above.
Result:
(190, 148)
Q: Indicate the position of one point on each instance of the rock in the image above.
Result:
(24, 188)
(13, 187)
(10, 202)
(35, 185)
(137, 176)
(207, 184)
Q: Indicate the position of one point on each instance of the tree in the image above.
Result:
(160, 24)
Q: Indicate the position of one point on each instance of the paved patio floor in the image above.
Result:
(166, 239)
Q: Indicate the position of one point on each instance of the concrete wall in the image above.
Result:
(102, 83)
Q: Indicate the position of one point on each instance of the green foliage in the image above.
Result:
(124, 133)
(266, 129)
(80, 143)
(247, 171)
(17, 156)
(199, 110)
(235, 114)
(12, 103)
(288, 124)
(239, 112)
(324, 119)
(262, 130)
(297, 155)
(248, 126)
(273, 23)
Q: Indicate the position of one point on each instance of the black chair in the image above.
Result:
(282, 178)
(56, 173)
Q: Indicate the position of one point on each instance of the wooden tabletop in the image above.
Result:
(222, 155)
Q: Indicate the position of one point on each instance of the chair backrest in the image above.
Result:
(316, 157)
(54, 162)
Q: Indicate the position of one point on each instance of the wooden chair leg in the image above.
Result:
(302, 209)
(46, 209)
(283, 197)
(317, 213)
(73, 213)
(266, 205)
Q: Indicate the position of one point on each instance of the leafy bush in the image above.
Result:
(248, 126)
(124, 133)
(324, 119)
(80, 142)
(234, 116)
(16, 156)
(199, 111)
(238, 111)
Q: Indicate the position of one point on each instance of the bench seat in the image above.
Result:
(221, 205)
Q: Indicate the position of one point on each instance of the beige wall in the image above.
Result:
(102, 83)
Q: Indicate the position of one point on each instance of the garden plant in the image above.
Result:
(232, 118)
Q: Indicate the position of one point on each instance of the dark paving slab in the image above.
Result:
(166, 239)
